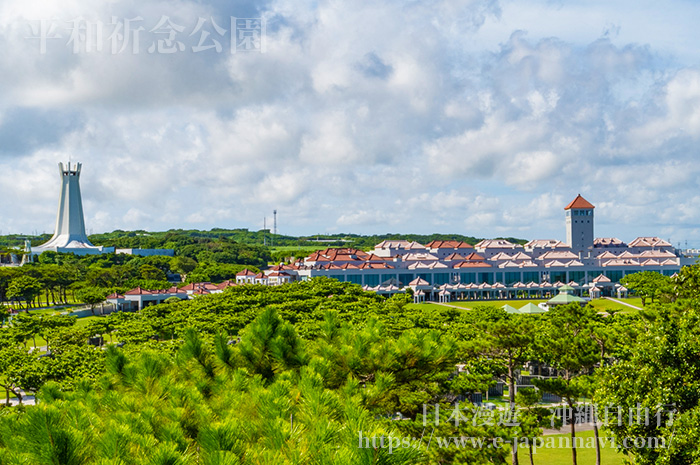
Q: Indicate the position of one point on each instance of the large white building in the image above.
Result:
(583, 261)
(445, 270)
(69, 235)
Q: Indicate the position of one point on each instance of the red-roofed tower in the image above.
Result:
(579, 224)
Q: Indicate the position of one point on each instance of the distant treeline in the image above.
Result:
(190, 242)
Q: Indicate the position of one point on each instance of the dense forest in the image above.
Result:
(178, 239)
(200, 256)
(298, 373)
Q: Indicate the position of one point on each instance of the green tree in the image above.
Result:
(13, 360)
(24, 288)
(25, 326)
(150, 272)
(648, 285)
(91, 296)
(270, 345)
(4, 314)
(49, 324)
(532, 417)
(6, 275)
(566, 342)
(687, 283)
(507, 341)
(659, 374)
(183, 265)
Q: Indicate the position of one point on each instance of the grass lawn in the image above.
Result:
(600, 305)
(636, 301)
(604, 304)
(562, 455)
(496, 303)
(47, 311)
(306, 248)
(428, 305)
(86, 320)
(474, 303)
(43, 302)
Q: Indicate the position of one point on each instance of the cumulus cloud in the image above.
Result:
(469, 116)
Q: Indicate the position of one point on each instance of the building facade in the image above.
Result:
(583, 261)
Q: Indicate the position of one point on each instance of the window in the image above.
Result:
(555, 276)
(405, 278)
(442, 278)
(577, 276)
(614, 275)
(512, 277)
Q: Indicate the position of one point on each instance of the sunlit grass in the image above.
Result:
(562, 455)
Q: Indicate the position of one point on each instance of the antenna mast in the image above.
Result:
(274, 224)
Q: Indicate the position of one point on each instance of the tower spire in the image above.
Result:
(579, 224)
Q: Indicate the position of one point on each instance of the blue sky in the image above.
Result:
(474, 117)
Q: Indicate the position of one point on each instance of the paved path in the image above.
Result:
(623, 303)
(26, 400)
(566, 429)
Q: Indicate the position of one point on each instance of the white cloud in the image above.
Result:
(365, 117)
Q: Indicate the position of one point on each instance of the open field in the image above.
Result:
(604, 304)
(428, 305)
(86, 320)
(562, 455)
(495, 303)
(43, 301)
(294, 248)
(600, 305)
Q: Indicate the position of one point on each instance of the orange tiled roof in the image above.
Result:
(608, 242)
(473, 265)
(448, 245)
(649, 242)
(473, 257)
(334, 255)
(195, 286)
(225, 284)
(579, 202)
(138, 291)
(278, 273)
(454, 256)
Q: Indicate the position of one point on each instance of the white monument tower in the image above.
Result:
(69, 235)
